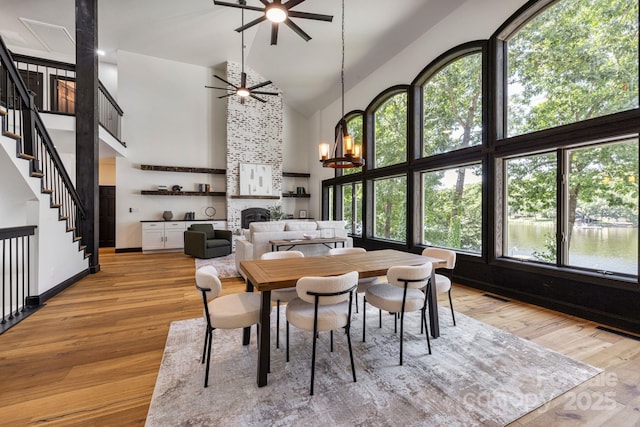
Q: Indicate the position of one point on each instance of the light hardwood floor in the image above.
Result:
(90, 356)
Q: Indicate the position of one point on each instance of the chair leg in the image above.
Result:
(401, 333)
(395, 323)
(206, 340)
(206, 371)
(278, 324)
(364, 318)
(331, 339)
(353, 366)
(287, 340)
(357, 303)
(380, 321)
(426, 328)
(451, 305)
(313, 358)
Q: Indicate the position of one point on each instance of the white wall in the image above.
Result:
(168, 121)
(108, 75)
(474, 20)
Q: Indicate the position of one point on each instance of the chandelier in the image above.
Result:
(351, 153)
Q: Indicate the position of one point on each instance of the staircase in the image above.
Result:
(46, 182)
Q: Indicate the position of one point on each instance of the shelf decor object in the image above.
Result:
(352, 154)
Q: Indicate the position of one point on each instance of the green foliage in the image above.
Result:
(275, 212)
(576, 60)
(391, 131)
(390, 216)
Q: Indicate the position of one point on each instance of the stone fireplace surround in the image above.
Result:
(255, 136)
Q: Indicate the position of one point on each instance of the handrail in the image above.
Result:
(110, 113)
(11, 232)
(15, 262)
(34, 127)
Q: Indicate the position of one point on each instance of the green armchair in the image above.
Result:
(202, 241)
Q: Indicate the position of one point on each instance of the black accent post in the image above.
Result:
(87, 124)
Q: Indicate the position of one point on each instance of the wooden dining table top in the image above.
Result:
(268, 275)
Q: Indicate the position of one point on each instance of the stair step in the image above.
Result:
(64, 218)
(26, 156)
(47, 191)
(71, 229)
(77, 239)
(37, 174)
(56, 205)
(3, 113)
(87, 255)
(12, 135)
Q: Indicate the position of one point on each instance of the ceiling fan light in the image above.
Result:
(243, 92)
(275, 13)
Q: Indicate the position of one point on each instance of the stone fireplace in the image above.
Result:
(247, 216)
(254, 136)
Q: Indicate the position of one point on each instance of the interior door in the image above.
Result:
(107, 216)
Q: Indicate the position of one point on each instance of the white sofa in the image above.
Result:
(255, 241)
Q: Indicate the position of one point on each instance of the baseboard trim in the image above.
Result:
(34, 301)
(124, 250)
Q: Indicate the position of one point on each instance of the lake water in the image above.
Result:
(612, 249)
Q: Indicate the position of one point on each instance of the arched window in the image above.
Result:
(390, 127)
(574, 61)
(452, 106)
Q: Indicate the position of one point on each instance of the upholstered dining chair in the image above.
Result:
(443, 283)
(232, 311)
(403, 294)
(281, 295)
(323, 304)
(363, 284)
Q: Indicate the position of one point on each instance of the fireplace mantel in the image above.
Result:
(256, 197)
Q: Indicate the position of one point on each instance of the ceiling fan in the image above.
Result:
(243, 91)
(277, 12)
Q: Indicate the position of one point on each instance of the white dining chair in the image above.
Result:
(281, 295)
(323, 304)
(443, 283)
(403, 294)
(363, 284)
(234, 311)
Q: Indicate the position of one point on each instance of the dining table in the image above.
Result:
(265, 276)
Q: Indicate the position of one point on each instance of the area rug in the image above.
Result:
(477, 375)
(226, 265)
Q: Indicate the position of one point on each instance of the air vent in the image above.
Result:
(53, 37)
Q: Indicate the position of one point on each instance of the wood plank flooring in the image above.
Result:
(91, 355)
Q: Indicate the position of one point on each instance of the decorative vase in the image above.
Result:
(167, 215)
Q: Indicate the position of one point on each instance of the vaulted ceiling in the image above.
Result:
(201, 33)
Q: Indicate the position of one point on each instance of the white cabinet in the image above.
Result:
(163, 235)
(168, 236)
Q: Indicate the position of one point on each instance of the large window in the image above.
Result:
(575, 61)
(602, 193)
(354, 125)
(452, 208)
(452, 105)
(390, 121)
(531, 208)
(352, 207)
(390, 208)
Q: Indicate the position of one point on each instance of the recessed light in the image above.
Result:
(100, 52)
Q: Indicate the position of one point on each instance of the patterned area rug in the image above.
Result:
(226, 265)
(477, 375)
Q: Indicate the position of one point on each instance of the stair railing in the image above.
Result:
(23, 123)
(15, 260)
(54, 82)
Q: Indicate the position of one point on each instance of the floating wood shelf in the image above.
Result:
(256, 197)
(182, 193)
(296, 175)
(182, 169)
(304, 196)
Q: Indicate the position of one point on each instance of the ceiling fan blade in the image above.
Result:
(259, 99)
(239, 6)
(306, 15)
(251, 24)
(292, 3)
(230, 84)
(227, 95)
(265, 2)
(265, 93)
(274, 33)
(297, 30)
(215, 87)
(259, 85)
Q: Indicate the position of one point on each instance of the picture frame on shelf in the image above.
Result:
(302, 213)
